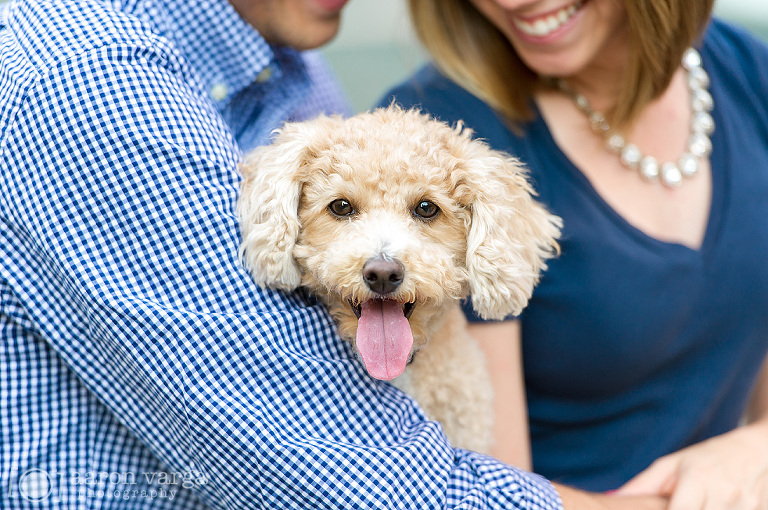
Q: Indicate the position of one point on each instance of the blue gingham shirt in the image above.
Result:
(139, 365)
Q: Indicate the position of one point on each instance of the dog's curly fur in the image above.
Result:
(489, 239)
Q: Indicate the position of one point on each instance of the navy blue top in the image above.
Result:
(634, 347)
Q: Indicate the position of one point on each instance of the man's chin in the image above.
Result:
(315, 38)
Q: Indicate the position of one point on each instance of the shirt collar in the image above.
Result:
(227, 54)
(4, 14)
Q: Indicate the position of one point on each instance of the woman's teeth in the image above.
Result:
(542, 27)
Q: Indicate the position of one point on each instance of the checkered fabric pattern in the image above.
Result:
(139, 365)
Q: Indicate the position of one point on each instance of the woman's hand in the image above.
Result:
(727, 472)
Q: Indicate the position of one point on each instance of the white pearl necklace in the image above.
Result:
(699, 145)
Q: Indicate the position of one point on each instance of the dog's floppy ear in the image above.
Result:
(269, 203)
(510, 237)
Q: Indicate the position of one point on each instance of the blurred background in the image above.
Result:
(376, 48)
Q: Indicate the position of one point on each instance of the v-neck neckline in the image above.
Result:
(719, 176)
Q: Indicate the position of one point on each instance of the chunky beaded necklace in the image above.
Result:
(671, 174)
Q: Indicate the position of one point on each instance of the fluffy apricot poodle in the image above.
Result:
(391, 218)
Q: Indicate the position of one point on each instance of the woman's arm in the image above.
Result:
(501, 343)
(758, 405)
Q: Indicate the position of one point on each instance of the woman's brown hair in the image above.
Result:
(470, 50)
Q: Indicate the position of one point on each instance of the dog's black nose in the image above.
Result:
(383, 276)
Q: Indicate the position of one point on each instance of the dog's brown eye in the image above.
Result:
(341, 208)
(426, 210)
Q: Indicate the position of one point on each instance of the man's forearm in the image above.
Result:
(574, 499)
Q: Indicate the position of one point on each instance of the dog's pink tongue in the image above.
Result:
(384, 338)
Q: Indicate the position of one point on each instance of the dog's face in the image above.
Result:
(383, 238)
(390, 218)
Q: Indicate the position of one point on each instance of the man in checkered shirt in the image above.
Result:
(139, 365)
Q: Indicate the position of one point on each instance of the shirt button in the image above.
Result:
(264, 75)
(219, 91)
